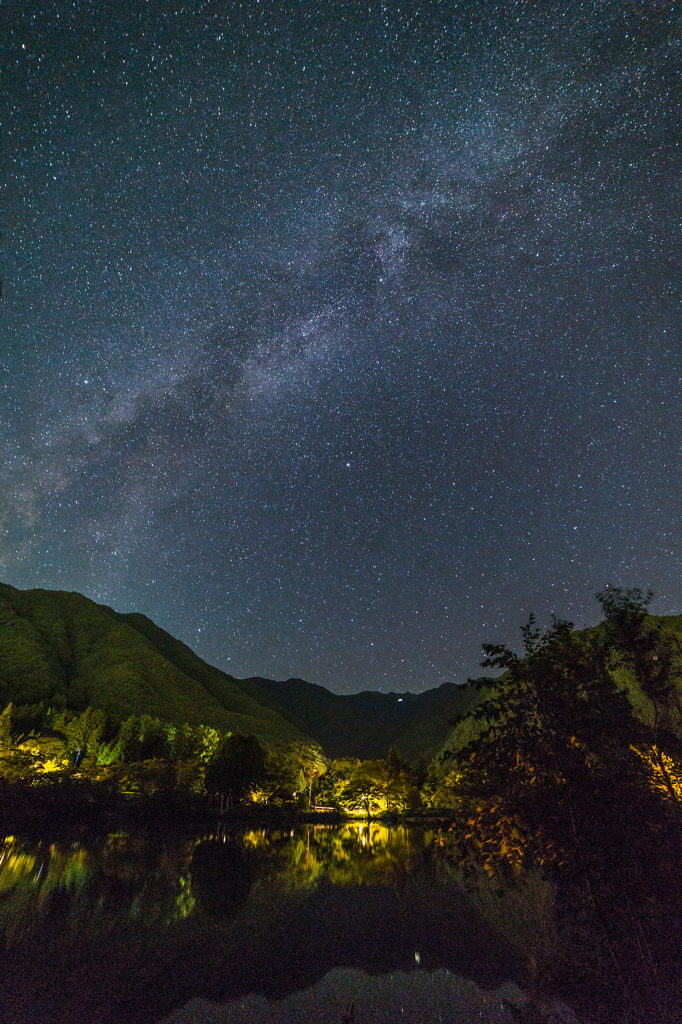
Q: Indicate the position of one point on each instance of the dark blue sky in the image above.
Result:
(338, 337)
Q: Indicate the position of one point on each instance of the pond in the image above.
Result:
(130, 926)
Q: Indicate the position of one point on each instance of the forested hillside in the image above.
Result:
(367, 724)
(61, 648)
(64, 649)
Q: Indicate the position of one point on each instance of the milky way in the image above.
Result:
(337, 338)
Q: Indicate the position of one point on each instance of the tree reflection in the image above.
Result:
(221, 876)
(130, 879)
(94, 889)
(346, 855)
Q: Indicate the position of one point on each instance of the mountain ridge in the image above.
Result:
(368, 723)
(61, 647)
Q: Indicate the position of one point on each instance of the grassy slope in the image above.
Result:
(671, 626)
(225, 689)
(64, 648)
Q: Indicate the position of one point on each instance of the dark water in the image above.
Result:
(129, 926)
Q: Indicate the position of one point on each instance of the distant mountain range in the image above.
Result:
(65, 649)
(366, 724)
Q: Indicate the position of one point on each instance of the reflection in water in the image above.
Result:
(93, 889)
(221, 876)
(146, 922)
(345, 855)
(128, 876)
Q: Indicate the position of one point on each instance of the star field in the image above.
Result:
(338, 337)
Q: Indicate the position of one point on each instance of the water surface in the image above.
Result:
(130, 926)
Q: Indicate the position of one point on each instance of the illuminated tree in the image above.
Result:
(84, 732)
(6, 728)
(442, 787)
(366, 789)
(335, 780)
(312, 764)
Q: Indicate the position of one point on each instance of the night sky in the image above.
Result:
(338, 337)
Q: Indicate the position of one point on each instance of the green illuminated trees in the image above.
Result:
(365, 790)
(84, 732)
(6, 728)
(311, 766)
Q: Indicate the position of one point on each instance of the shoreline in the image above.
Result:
(66, 812)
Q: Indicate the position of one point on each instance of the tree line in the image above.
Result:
(144, 757)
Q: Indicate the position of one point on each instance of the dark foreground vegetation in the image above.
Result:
(562, 784)
(576, 769)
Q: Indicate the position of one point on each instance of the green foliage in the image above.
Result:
(419, 772)
(465, 728)
(6, 728)
(189, 743)
(141, 778)
(365, 790)
(66, 651)
(380, 787)
(280, 778)
(21, 766)
(554, 718)
(557, 743)
(335, 781)
(84, 732)
(442, 788)
(237, 766)
(646, 650)
(394, 761)
(32, 718)
(312, 764)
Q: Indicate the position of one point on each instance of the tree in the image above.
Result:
(642, 646)
(647, 652)
(442, 786)
(335, 780)
(555, 713)
(84, 732)
(419, 772)
(237, 765)
(366, 789)
(400, 791)
(558, 740)
(312, 764)
(6, 728)
(394, 761)
(280, 778)
(565, 774)
(192, 742)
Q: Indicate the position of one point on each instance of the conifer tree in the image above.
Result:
(6, 728)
